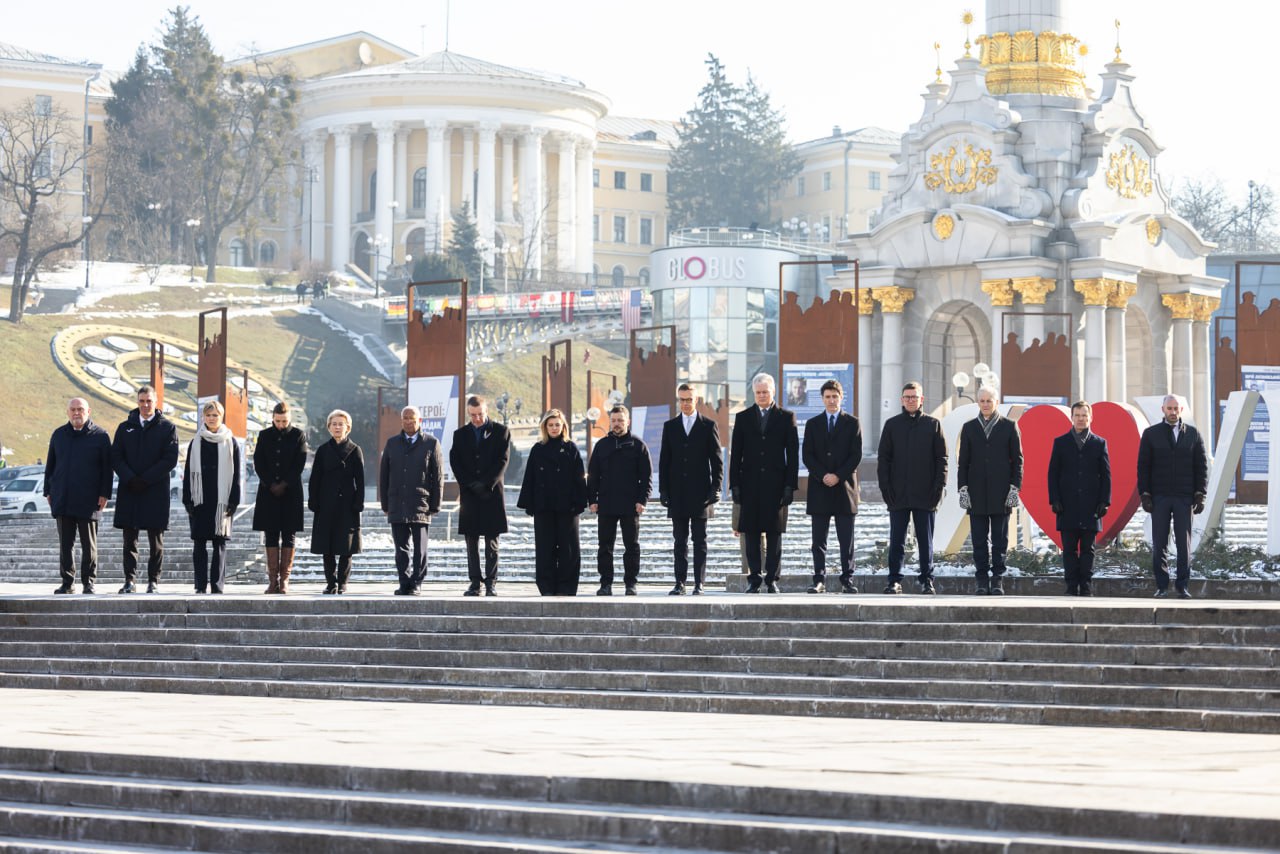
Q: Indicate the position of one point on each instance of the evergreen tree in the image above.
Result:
(437, 268)
(731, 155)
(462, 245)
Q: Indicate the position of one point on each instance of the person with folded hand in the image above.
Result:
(989, 477)
(479, 456)
(1080, 495)
(143, 453)
(279, 456)
(689, 476)
(1173, 479)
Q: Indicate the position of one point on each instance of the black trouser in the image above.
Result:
(630, 548)
(681, 526)
(772, 556)
(404, 533)
(155, 556)
(1077, 556)
(279, 539)
(490, 559)
(923, 521)
(208, 574)
(68, 529)
(337, 569)
(988, 558)
(1175, 509)
(557, 553)
(844, 535)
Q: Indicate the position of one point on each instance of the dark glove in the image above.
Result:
(712, 498)
(1148, 503)
(736, 494)
(788, 495)
(1056, 508)
(231, 511)
(1100, 510)
(664, 499)
(137, 484)
(279, 488)
(1197, 504)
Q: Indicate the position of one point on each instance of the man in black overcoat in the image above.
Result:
(989, 477)
(911, 467)
(143, 453)
(832, 450)
(77, 482)
(479, 456)
(619, 480)
(411, 483)
(690, 472)
(764, 472)
(1079, 495)
(1173, 480)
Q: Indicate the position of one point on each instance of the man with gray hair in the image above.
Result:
(989, 477)
(77, 482)
(1173, 479)
(764, 469)
(411, 483)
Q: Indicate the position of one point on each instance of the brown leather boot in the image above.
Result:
(285, 567)
(273, 570)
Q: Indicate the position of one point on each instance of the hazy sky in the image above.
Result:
(1205, 71)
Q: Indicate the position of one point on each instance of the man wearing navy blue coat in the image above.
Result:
(690, 472)
(832, 450)
(143, 453)
(1173, 479)
(1079, 493)
(77, 482)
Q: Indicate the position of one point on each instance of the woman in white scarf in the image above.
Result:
(211, 494)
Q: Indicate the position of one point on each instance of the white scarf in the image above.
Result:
(226, 465)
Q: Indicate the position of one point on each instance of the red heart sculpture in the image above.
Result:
(1121, 425)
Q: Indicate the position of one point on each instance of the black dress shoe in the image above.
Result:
(772, 587)
(402, 591)
(926, 587)
(1086, 589)
(697, 590)
(1184, 593)
(1161, 593)
(330, 590)
(66, 588)
(893, 587)
(981, 591)
(88, 588)
(982, 585)
(605, 590)
(818, 587)
(153, 586)
(631, 590)
(753, 587)
(996, 589)
(415, 590)
(201, 590)
(1072, 590)
(491, 590)
(678, 590)
(128, 588)
(473, 590)
(846, 586)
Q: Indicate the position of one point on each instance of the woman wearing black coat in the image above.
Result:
(211, 494)
(554, 493)
(335, 495)
(279, 457)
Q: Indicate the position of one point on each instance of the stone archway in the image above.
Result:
(956, 337)
(361, 252)
(1138, 351)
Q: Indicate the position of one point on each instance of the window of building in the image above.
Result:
(800, 186)
(373, 190)
(237, 252)
(873, 180)
(267, 252)
(644, 277)
(646, 231)
(44, 105)
(595, 227)
(619, 229)
(420, 188)
(646, 182)
(826, 182)
(44, 163)
(619, 180)
(619, 276)
(595, 177)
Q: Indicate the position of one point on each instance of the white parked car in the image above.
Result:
(24, 495)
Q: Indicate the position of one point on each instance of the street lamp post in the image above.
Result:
(192, 225)
(378, 242)
(484, 247)
(84, 235)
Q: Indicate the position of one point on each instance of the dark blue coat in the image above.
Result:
(762, 466)
(553, 480)
(690, 468)
(279, 457)
(77, 471)
(619, 474)
(481, 513)
(202, 518)
(149, 453)
(1079, 481)
(839, 453)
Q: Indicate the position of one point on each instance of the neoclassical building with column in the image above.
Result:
(1026, 225)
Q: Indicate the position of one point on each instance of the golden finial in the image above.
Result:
(937, 52)
(1117, 59)
(967, 20)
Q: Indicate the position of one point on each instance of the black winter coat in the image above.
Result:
(690, 468)
(620, 475)
(202, 518)
(479, 468)
(1079, 481)
(553, 480)
(149, 453)
(411, 479)
(335, 496)
(279, 457)
(1168, 469)
(77, 471)
(912, 464)
(838, 452)
(989, 466)
(762, 466)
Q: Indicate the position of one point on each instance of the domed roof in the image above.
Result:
(448, 64)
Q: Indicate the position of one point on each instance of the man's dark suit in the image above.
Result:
(1173, 477)
(833, 450)
(1079, 493)
(690, 472)
(764, 472)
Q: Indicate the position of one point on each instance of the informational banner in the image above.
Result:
(801, 392)
(1253, 462)
(646, 423)
(437, 400)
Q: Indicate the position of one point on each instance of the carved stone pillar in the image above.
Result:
(1095, 293)
(485, 182)
(505, 186)
(437, 183)
(401, 192)
(1001, 293)
(1034, 290)
(1202, 403)
(584, 244)
(532, 211)
(1117, 342)
(892, 300)
(566, 205)
(383, 220)
(340, 246)
(1182, 307)
(313, 181)
(468, 169)
(866, 409)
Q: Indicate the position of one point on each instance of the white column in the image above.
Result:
(1180, 335)
(890, 366)
(382, 215)
(1117, 356)
(507, 207)
(1095, 353)
(1201, 402)
(313, 179)
(436, 178)
(485, 182)
(566, 206)
(585, 243)
(402, 174)
(468, 169)
(358, 184)
(532, 212)
(340, 251)
(866, 407)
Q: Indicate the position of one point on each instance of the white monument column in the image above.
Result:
(1182, 307)
(436, 179)
(1095, 293)
(532, 213)
(507, 206)
(313, 181)
(383, 221)
(585, 243)
(340, 245)
(566, 206)
(401, 193)
(892, 300)
(468, 169)
(1201, 346)
(866, 407)
(485, 182)
(1117, 341)
(1001, 293)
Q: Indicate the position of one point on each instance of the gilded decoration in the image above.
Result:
(1120, 293)
(866, 304)
(1034, 289)
(1000, 291)
(1181, 306)
(1030, 63)
(1130, 175)
(893, 299)
(960, 171)
(1203, 307)
(1154, 231)
(943, 226)
(1096, 292)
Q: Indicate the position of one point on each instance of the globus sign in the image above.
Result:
(694, 267)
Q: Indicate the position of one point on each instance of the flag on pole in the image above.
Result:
(567, 299)
(631, 311)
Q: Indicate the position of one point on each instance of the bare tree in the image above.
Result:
(42, 161)
(1246, 227)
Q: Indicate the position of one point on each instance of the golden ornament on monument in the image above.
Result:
(943, 226)
(960, 172)
(1129, 173)
(1153, 231)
